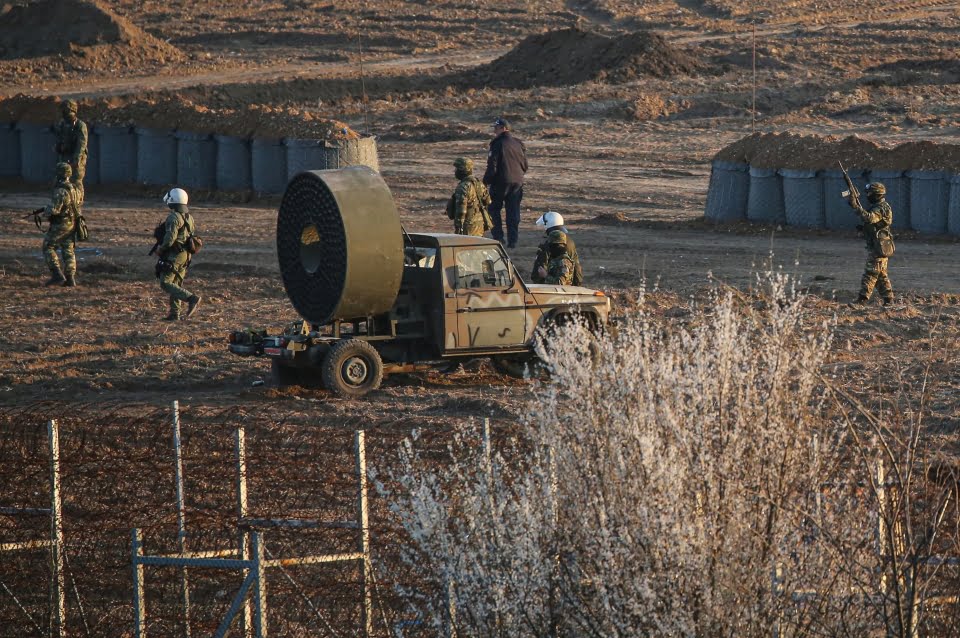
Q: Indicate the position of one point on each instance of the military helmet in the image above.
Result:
(557, 237)
(463, 164)
(69, 105)
(176, 196)
(64, 171)
(876, 188)
(550, 219)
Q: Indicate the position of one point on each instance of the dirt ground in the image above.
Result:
(624, 159)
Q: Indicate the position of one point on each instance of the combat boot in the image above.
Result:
(192, 304)
(56, 278)
(859, 301)
(71, 280)
(173, 316)
(888, 301)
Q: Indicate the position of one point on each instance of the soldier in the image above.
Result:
(877, 220)
(554, 221)
(174, 258)
(62, 214)
(559, 268)
(468, 205)
(72, 144)
(506, 166)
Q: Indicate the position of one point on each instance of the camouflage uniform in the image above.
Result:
(468, 205)
(543, 258)
(560, 270)
(62, 214)
(876, 218)
(71, 146)
(559, 267)
(174, 259)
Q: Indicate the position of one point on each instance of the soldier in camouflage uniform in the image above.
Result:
(877, 220)
(468, 205)
(62, 214)
(552, 221)
(174, 258)
(72, 144)
(559, 267)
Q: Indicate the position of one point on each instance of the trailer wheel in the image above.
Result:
(352, 368)
(283, 375)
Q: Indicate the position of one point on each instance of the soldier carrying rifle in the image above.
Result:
(877, 220)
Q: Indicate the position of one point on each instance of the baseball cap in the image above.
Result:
(501, 122)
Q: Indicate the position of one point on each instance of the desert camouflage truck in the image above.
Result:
(375, 299)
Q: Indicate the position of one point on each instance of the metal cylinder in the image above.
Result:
(802, 198)
(339, 244)
(118, 154)
(765, 198)
(9, 150)
(156, 156)
(727, 194)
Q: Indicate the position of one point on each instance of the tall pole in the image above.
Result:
(59, 594)
(753, 122)
(244, 536)
(363, 517)
(181, 520)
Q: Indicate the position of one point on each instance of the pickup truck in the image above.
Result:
(460, 298)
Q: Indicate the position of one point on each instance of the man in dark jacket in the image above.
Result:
(506, 165)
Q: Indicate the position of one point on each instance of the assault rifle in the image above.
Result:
(158, 234)
(851, 194)
(37, 219)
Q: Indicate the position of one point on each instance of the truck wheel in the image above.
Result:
(516, 367)
(282, 375)
(352, 368)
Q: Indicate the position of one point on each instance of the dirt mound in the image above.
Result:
(81, 28)
(182, 114)
(813, 152)
(571, 56)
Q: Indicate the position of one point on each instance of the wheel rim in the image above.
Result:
(355, 370)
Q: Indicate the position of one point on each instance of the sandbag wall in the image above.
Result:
(924, 201)
(163, 157)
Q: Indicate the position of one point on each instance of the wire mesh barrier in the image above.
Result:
(142, 522)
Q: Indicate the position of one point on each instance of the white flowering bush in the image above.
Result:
(692, 480)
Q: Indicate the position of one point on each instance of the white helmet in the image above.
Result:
(176, 196)
(550, 219)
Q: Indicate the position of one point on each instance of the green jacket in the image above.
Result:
(71, 140)
(179, 226)
(543, 256)
(63, 207)
(876, 218)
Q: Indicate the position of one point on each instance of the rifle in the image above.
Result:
(37, 219)
(851, 194)
(158, 234)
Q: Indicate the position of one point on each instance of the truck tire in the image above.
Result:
(282, 375)
(352, 368)
(517, 367)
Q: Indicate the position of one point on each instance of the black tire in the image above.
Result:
(352, 368)
(516, 367)
(283, 375)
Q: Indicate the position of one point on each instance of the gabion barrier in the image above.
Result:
(9, 151)
(233, 163)
(727, 196)
(305, 155)
(802, 198)
(196, 160)
(929, 196)
(924, 201)
(118, 154)
(268, 165)
(92, 174)
(156, 156)
(953, 207)
(765, 199)
(38, 159)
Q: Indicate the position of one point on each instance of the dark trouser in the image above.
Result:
(509, 195)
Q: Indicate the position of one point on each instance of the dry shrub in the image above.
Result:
(696, 481)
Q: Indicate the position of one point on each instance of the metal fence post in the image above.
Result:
(259, 587)
(181, 519)
(58, 592)
(246, 617)
(139, 605)
(363, 518)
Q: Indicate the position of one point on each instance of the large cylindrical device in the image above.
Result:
(340, 244)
